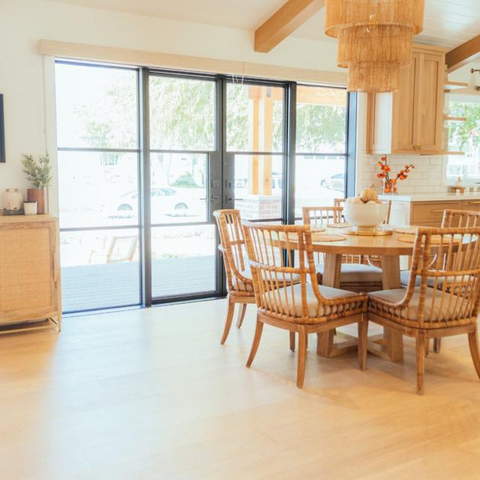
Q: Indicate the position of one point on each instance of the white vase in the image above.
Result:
(12, 199)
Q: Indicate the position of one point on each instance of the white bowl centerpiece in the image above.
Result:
(365, 212)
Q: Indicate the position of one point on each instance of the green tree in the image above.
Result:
(321, 128)
(465, 134)
(182, 117)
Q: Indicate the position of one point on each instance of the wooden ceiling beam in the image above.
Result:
(284, 22)
(463, 54)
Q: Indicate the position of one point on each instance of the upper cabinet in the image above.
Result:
(410, 120)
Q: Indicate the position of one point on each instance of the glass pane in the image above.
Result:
(321, 120)
(464, 136)
(182, 114)
(259, 186)
(96, 107)
(100, 269)
(318, 181)
(179, 187)
(97, 189)
(254, 118)
(183, 260)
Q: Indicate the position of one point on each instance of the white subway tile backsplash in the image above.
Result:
(406, 189)
(426, 177)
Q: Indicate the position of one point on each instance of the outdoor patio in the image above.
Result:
(120, 282)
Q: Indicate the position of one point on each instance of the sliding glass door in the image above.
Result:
(185, 179)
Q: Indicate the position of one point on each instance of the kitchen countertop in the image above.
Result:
(430, 197)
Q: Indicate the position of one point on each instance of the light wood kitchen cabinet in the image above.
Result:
(29, 272)
(428, 213)
(410, 120)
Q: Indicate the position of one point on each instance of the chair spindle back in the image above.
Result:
(233, 246)
(450, 283)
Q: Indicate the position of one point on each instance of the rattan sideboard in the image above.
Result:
(29, 273)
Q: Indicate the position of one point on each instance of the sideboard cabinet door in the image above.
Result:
(29, 272)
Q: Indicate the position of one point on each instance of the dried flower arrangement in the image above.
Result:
(390, 184)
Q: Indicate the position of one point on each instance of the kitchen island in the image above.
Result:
(427, 209)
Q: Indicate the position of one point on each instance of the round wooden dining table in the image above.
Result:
(389, 249)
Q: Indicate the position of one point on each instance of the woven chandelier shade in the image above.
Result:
(354, 13)
(379, 43)
(375, 39)
(373, 77)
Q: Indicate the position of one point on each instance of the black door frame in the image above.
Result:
(221, 185)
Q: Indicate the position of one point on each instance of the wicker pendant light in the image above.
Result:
(373, 77)
(379, 43)
(375, 39)
(353, 13)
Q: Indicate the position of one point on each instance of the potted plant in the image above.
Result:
(38, 172)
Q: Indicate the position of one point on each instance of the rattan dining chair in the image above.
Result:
(451, 219)
(304, 307)
(442, 257)
(357, 272)
(237, 271)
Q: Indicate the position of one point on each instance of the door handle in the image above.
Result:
(213, 198)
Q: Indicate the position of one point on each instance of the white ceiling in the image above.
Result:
(448, 23)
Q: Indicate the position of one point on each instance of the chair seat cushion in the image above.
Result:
(409, 315)
(358, 273)
(247, 286)
(243, 286)
(291, 302)
(405, 279)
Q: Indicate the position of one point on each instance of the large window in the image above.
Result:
(321, 146)
(145, 157)
(464, 136)
(98, 153)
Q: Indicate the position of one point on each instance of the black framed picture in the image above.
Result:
(2, 131)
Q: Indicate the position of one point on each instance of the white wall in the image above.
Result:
(29, 100)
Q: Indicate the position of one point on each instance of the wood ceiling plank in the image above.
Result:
(285, 21)
(463, 54)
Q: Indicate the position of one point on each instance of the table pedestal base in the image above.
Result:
(388, 346)
(327, 347)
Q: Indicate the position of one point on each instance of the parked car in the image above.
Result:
(335, 182)
(164, 201)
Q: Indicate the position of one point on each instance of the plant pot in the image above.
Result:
(37, 195)
(30, 208)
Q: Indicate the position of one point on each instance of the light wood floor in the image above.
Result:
(150, 394)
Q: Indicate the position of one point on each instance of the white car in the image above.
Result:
(164, 201)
